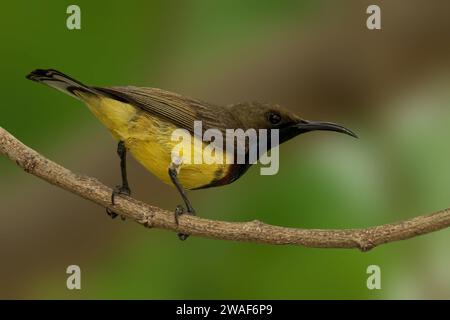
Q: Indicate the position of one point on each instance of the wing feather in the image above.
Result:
(180, 110)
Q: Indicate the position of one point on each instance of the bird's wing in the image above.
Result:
(175, 108)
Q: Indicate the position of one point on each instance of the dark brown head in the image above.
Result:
(264, 116)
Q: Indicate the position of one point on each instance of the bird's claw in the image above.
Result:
(118, 190)
(179, 210)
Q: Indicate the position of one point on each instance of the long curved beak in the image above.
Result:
(306, 126)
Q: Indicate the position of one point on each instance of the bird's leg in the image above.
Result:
(124, 188)
(173, 174)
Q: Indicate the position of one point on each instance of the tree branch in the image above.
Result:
(254, 231)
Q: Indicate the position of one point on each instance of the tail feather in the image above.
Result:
(60, 81)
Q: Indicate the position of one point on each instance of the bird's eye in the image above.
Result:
(274, 118)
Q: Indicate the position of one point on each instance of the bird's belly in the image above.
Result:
(149, 141)
(155, 157)
(153, 149)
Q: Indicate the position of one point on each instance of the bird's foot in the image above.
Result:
(118, 190)
(179, 210)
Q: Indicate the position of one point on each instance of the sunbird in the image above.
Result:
(143, 119)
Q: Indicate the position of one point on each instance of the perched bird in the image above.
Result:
(142, 121)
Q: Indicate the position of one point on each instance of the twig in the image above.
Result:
(254, 231)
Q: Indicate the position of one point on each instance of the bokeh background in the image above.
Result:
(315, 57)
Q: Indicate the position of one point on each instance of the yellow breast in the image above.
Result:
(149, 140)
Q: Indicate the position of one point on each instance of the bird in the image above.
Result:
(142, 120)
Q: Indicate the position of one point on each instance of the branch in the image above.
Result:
(253, 231)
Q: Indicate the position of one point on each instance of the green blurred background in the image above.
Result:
(314, 57)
